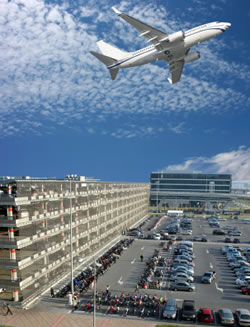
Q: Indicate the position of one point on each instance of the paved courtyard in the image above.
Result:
(29, 318)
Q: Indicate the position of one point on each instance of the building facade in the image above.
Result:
(35, 220)
(188, 186)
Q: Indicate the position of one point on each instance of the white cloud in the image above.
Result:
(134, 131)
(177, 129)
(236, 162)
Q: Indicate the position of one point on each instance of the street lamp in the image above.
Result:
(94, 311)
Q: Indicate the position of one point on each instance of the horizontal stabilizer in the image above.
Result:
(111, 51)
(108, 61)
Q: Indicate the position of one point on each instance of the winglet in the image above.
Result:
(116, 11)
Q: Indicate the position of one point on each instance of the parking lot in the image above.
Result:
(123, 276)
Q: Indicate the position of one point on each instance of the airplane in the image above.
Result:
(173, 48)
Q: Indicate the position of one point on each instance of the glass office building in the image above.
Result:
(187, 182)
(190, 186)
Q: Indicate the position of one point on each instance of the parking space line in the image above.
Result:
(120, 281)
(219, 289)
(133, 261)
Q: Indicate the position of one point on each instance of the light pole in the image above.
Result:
(94, 311)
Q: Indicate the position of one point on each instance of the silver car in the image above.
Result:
(181, 285)
(181, 276)
(189, 272)
(243, 317)
(226, 316)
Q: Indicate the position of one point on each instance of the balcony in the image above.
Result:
(13, 221)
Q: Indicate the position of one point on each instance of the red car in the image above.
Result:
(206, 315)
(246, 290)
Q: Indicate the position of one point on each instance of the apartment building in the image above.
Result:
(35, 220)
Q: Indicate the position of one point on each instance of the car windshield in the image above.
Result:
(227, 315)
(206, 315)
(170, 308)
(247, 317)
(188, 307)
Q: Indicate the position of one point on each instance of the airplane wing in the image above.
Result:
(153, 35)
(176, 68)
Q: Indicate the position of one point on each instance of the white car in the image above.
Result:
(241, 271)
(243, 317)
(186, 232)
(156, 236)
(243, 281)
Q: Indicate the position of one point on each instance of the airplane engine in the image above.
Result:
(192, 56)
(177, 36)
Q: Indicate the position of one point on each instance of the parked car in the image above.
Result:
(180, 285)
(183, 248)
(188, 311)
(170, 310)
(227, 240)
(228, 227)
(188, 243)
(201, 238)
(182, 261)
(134, 233)
(219, 232)
(243, 317)
(189, 271)
(243, 281)
(238, 264)
(156, 236)
(226, 316)
(234, 233)
(187, 266)
(186, 232)
(206, 315)
(246, 290)
(184, 257)
(181, 276)
(242, 270)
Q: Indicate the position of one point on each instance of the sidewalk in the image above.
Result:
(28, 318)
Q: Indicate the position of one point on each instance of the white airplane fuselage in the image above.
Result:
(174, 49)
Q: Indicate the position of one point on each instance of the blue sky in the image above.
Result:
(60, 113)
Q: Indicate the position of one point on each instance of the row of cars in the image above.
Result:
(227, 230)
(205, 315)
(237, 260)
(182, 270)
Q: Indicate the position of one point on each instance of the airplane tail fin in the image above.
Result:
(108, 61)
(111, 51)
